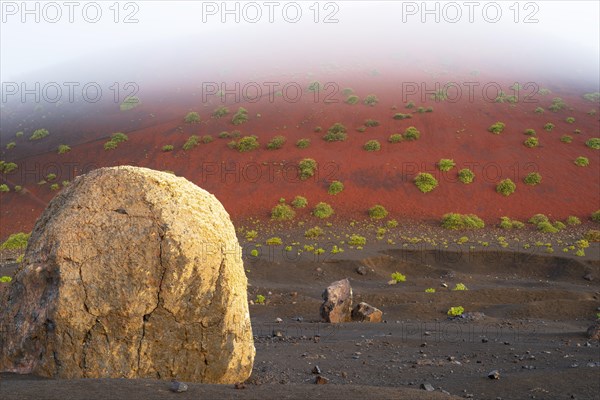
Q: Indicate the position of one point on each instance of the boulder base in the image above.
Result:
(130, 273)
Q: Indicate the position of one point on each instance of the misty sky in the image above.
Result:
(29, 47)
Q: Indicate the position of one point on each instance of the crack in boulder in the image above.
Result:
(147, 316)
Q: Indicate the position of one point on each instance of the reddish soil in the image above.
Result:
(250, 184)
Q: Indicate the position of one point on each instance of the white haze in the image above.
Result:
(565, 40)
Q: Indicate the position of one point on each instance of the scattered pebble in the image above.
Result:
(178, 387)
(427, 386)
(321, 380)
(495, 374)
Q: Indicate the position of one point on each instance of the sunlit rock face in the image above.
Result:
(130, 273)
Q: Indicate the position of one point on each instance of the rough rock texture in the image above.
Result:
(362, 270)
(473, 316)
(337, 304)
(594, 331)
(364, 312)
(130, 273)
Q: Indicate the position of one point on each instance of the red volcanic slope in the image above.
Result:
(249, 184)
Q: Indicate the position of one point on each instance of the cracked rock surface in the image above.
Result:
(130, 273)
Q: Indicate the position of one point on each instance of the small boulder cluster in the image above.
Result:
(337, 305)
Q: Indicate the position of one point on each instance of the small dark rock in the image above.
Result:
(321, 380)
(362, 270)
(495, 374)
(588, 277)
(316, 370)
(593, 331)
(427, 386)
(593, 364)
(178, 387)
(240, 386)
